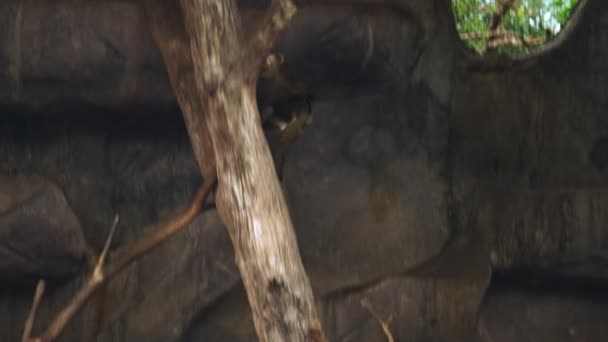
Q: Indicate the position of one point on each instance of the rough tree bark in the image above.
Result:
(165, 20)
(249, 197)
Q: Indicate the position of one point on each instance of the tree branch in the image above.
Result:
(31, 318)
(275, 20)
(504, 38)
(249, 199)
(166, 23)
(384, 324)
(514, 40)
(124, 257)
(502, 7)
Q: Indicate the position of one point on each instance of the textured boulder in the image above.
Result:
(425, 169)
(40, 237)
(395, 156)
(99, 53)
(544, 315)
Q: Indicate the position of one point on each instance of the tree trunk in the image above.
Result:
(249, 198)
(165, 20)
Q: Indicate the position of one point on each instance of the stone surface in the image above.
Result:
(438, 302)
(100, 53)
(395, 155)
(174, 285)
(425, 169)
(544, 315)
(116, 171)
(39, 234)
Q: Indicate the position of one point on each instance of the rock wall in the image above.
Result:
(426, 172)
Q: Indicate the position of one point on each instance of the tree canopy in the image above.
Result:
(510, 26)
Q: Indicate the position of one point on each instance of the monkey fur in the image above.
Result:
(284, 104)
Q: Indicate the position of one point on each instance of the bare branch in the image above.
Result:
(31, 318)
(275, 20)
(514, 41)
(124, 257)
(504, 38)
(384, 324)
(106, 247)
(166, 23)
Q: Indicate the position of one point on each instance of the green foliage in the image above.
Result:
(529, 24)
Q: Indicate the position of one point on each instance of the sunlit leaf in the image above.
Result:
(532, 21)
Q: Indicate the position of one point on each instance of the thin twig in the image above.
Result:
(123, 258)
(31, 318)
(106, 247)
(384, 324)
(97, 272)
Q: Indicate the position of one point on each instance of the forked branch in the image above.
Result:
(102, 272)
(384, 324)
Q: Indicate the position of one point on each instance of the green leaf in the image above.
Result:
(530, 21)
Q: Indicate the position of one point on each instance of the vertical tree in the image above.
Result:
(225, 130)
(213, 68)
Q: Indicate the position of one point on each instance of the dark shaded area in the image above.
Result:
(535, 307)
(428, 180)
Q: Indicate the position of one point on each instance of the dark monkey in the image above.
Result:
(284, 104)
(280, 95)
(285, 108)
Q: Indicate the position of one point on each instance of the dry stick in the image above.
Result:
(127, 255)
(97, 268)
(385, 325)
(31, 318)
(106, 247)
